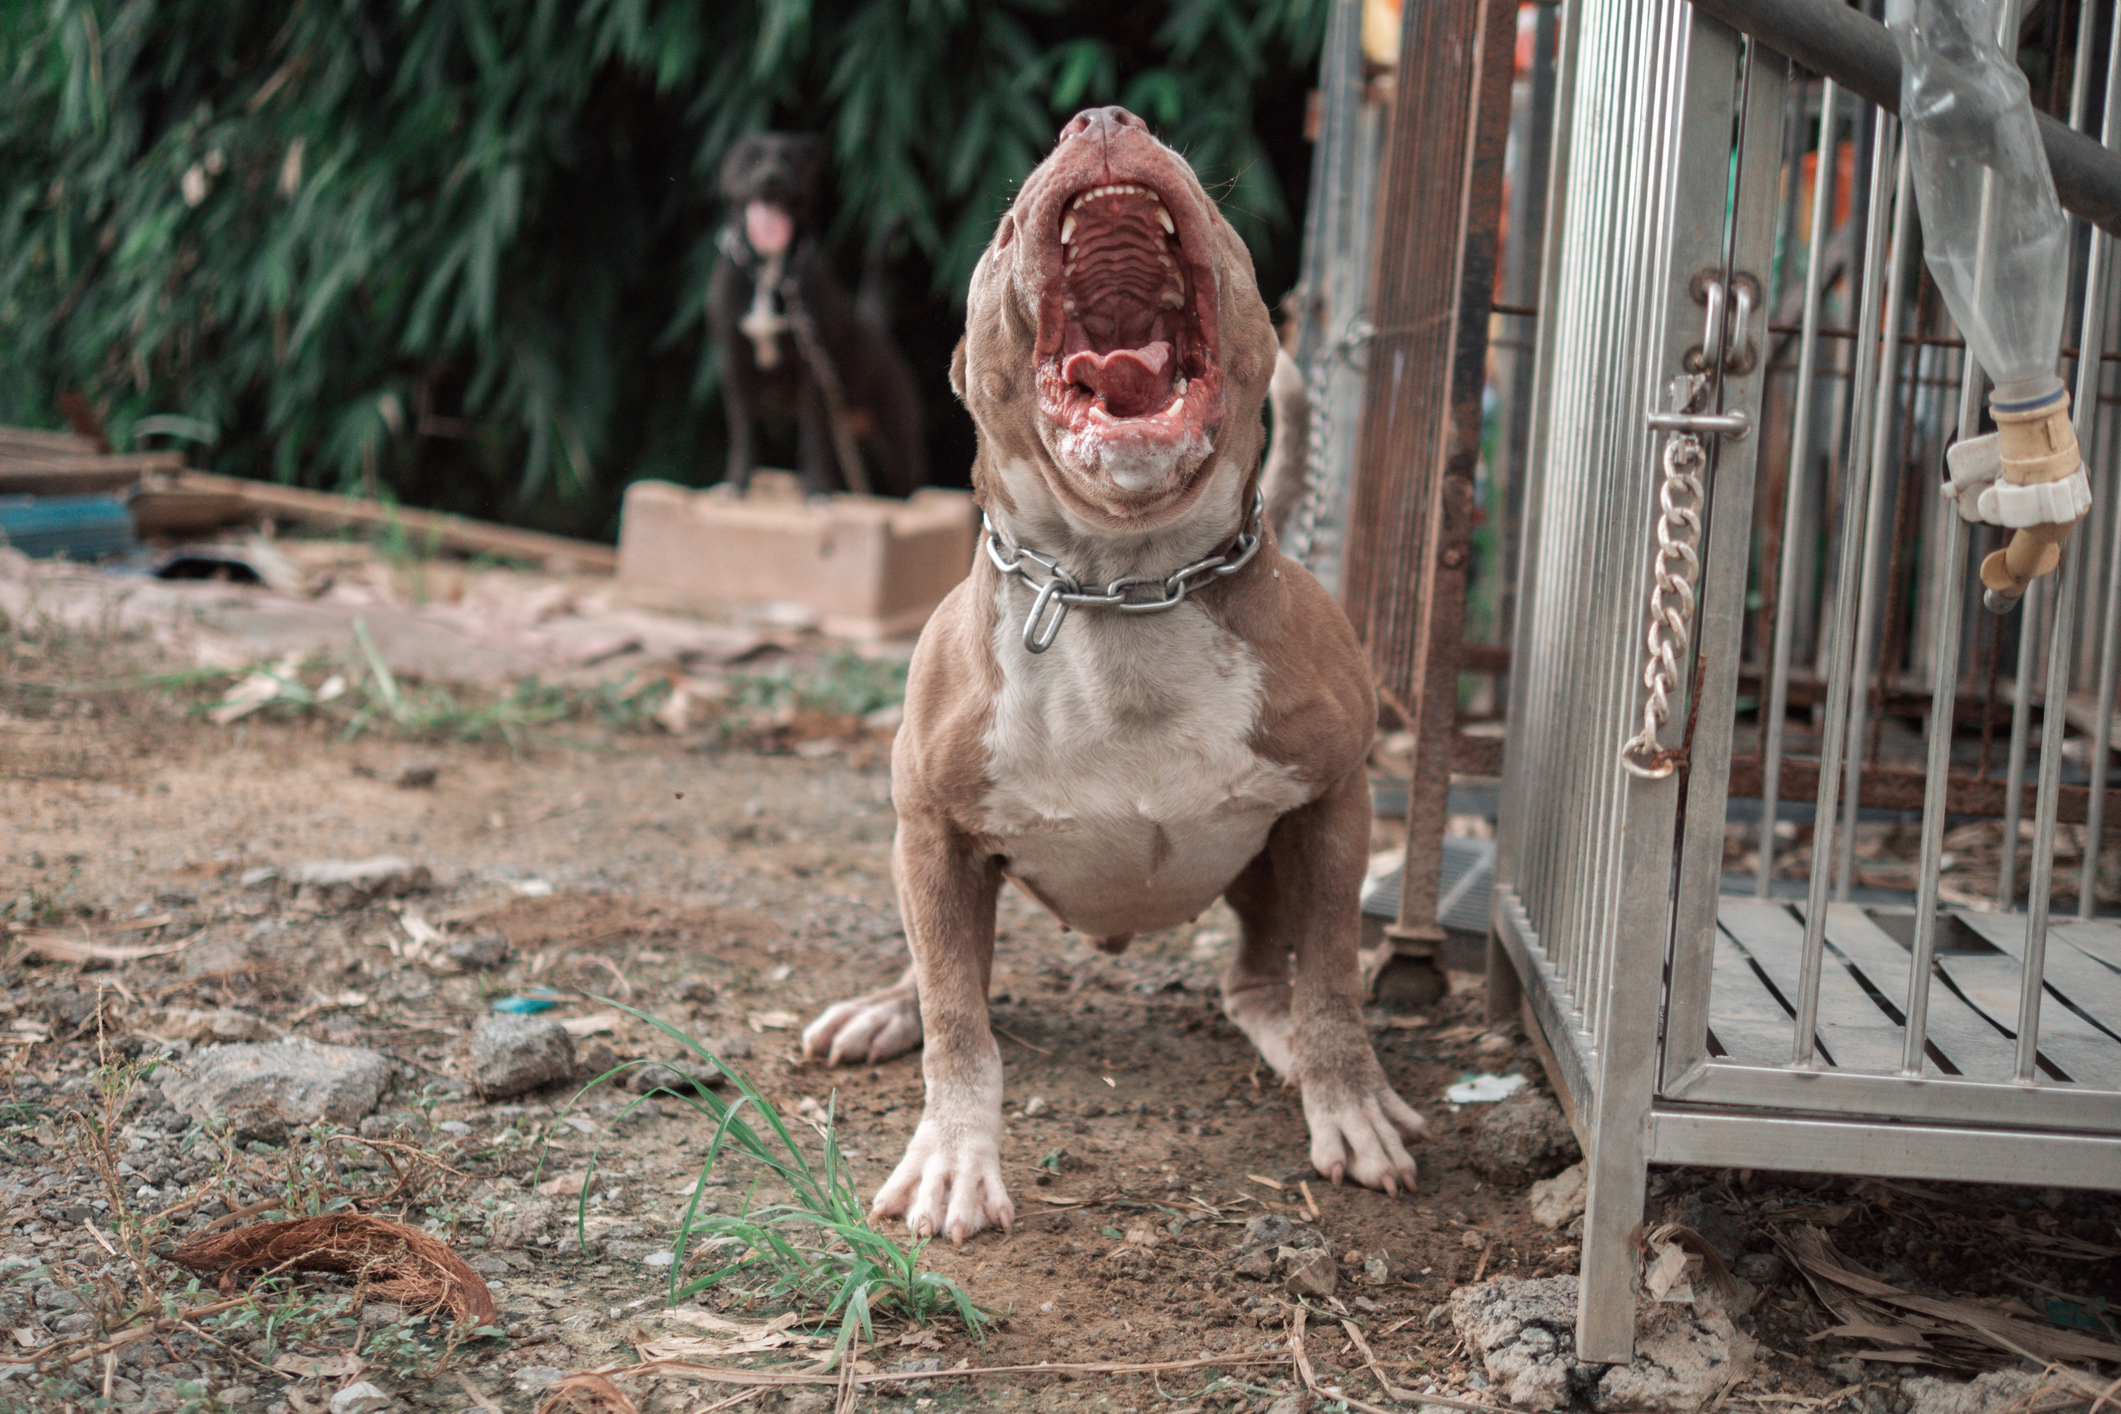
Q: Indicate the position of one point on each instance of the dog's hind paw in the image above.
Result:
(867, 1029)
(949, 1184)
(1360, 1132)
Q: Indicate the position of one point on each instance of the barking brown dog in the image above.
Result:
(1125, 768)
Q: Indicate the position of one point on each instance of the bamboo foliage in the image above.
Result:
(460, 248)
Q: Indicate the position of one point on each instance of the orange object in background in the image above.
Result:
(1380, 32)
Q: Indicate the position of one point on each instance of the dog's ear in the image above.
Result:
(737, 163)
(957, 369)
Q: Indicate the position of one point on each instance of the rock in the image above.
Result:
(522, 1225)
(266, 1088)
(1555, 1200)
(679, 1077)
(220, 1024)
(1035, 1106)
(1992, 1393)
(479, 952)
(1257, 1264)
(513, 1055)
(1683, 1360)
(358, 1398)
(1296, 1402)
(734, 1046)
(347, 883)
(1522, 1139)
(1274, 1230)
(414, 774)
(220, 957)
(1525, 1335)
(399, 1124)
(533, 1379)
(806, 1401)
(1308, 1271)
(1381, 1268)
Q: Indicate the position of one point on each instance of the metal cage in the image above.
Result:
(1731, 264)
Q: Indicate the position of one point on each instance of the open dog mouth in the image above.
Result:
(1127, 357)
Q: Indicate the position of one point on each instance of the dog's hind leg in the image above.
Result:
(1298, 902)
(740, 400)
(950, 1181)
(870, 1028)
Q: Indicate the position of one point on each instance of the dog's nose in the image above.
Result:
(1100, 123)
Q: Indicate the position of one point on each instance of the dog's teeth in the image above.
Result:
(1164, 219)
(1076, 205)
(1068, 306)
(1181, 386)
(1172, 299)
(1068, 229)
(1166, 261)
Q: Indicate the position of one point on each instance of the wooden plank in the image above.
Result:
(1965, 1037)
(1990, 983)
(2091, 985)
(2092, 988)
(1744, 1017)
(32, 441)
(1860, 1036)
(440, 529)
(46, 475)
(2095, 938)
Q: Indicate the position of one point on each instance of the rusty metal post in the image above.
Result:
(1411, 521)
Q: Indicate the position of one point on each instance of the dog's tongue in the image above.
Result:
(1130, 381)
(767, 227)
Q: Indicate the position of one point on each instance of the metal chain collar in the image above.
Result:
(1671, 603)
(1062, 591)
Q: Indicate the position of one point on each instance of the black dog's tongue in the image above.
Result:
(1130, 381)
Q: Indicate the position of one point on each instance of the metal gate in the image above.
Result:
(1734, 443)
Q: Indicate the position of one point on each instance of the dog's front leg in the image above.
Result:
(740, 399)
(1302, 896)
(950, 1181)
(815, 458)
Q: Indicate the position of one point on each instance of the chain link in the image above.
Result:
(1062, 591)
(1677, 563)
(1303, 542)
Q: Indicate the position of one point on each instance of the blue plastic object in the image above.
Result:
(78, 527)
(527, 1006)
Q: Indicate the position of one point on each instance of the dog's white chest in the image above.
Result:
(1125, 791)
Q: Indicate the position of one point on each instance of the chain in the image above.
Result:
(1062, 591)
(1671, 603)
(1303, 543)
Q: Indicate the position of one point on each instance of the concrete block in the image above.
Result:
(869, 567)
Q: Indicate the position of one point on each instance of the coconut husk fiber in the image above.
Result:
(398, 1263)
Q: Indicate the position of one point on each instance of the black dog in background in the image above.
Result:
(790, 340)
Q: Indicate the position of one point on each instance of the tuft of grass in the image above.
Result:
(843, 684)
(816, 1252)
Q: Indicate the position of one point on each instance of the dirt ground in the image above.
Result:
(732, 892)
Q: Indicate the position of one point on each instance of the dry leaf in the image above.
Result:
(586, 1393)
(342, 1366)
(603, 1021)
(774, 1020)
(401, 1263)
(59, 947)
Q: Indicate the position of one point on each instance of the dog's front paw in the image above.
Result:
(1360, 1129)
(867, 1029)
(949, 1183)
